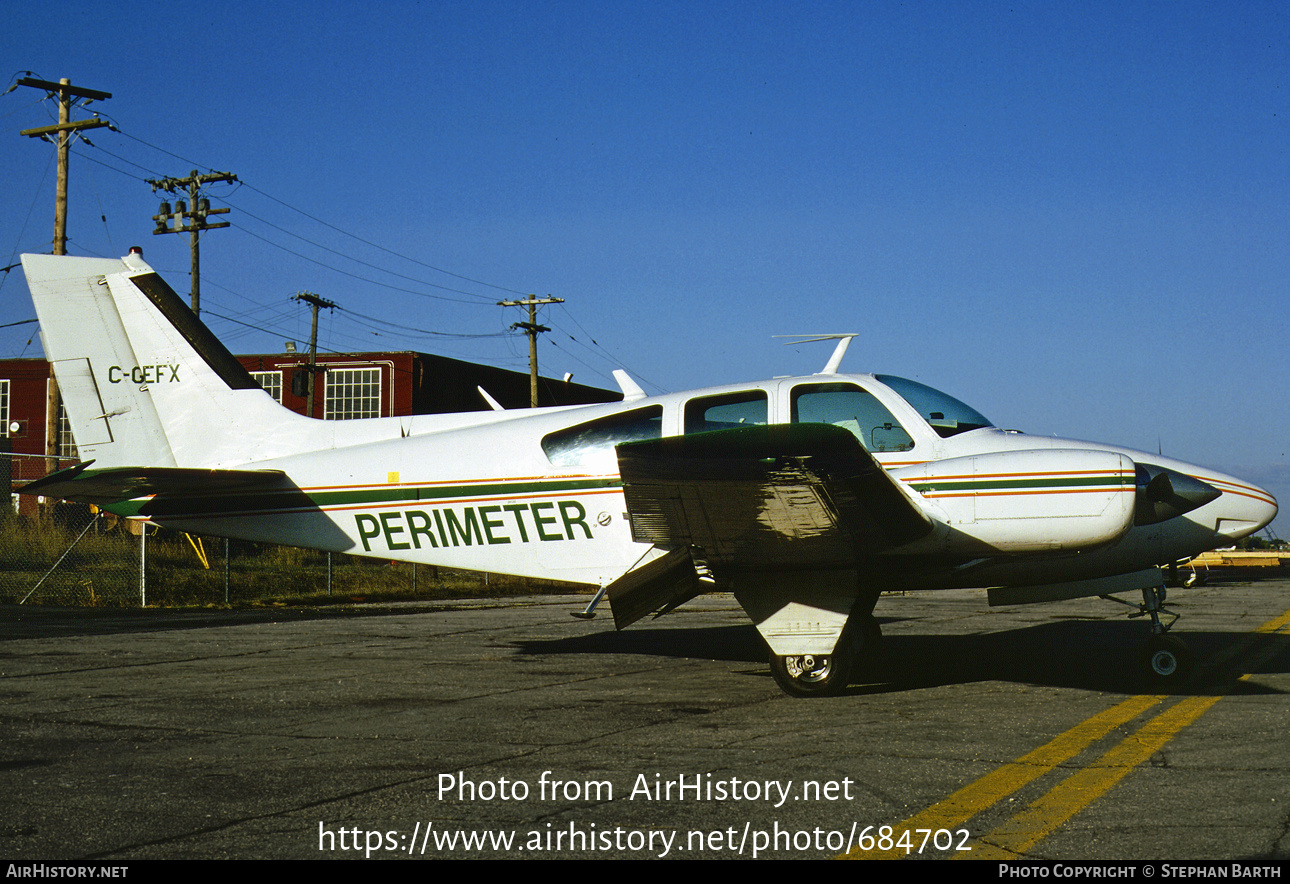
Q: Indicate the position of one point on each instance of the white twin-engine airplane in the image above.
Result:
(807, 497)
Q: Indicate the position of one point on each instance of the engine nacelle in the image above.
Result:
(1026, 501)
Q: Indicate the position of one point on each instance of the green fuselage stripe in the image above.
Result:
(1028, 484)
(274, 500)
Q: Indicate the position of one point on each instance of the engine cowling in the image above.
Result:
(1028, 501)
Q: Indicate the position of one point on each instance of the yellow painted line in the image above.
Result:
(1041, 819)
(999, 784)
(1078, 791)
(1275, 624)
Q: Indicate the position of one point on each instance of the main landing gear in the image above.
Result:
(827, 675)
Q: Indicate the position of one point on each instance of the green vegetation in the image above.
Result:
(1259, 543)
(102, 568)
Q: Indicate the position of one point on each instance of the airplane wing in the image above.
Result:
(112, 486)
(783, 497)
(788, 497)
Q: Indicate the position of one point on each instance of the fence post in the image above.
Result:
(328, 572)
(226, 570)
(143, 566)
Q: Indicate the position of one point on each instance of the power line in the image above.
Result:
(342, 231)
(347, 257)
(407, 328)
(362, 278)
(381, 247)
(593, 348)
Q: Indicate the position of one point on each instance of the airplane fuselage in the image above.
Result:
(806, 496)
(528, 493)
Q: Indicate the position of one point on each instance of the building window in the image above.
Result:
(4, 408)
(352, 393)
(66, 444)
(271, 381)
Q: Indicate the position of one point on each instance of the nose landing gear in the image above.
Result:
(1167, 660)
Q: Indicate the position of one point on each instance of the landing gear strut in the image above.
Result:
(1167, 660)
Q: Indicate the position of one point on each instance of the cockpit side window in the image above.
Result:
(850, 407)
(592, 444)
(726, 411)
(947, 415)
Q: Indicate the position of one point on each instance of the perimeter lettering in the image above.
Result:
(474, 525)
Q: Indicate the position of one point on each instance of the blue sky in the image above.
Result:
(1073, 216)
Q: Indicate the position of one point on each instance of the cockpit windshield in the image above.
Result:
(947, 415)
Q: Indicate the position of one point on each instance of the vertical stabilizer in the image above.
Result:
(87, 347)
(144, 382)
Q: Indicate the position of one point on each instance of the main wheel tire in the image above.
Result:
(1167, 659)
(812, 675)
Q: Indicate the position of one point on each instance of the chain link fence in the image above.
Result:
(75, 557)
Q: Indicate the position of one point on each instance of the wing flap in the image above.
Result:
(659, 585)
(780, 497)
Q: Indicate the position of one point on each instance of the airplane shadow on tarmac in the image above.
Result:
(1086, 654)
(1075, 652)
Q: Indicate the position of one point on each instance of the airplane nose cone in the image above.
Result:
(1164, 493)
(1243, 508)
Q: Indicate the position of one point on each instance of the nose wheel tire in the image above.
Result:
(1166, 659)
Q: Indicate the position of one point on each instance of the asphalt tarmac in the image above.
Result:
(508, 729)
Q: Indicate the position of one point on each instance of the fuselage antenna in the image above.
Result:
(831, 367)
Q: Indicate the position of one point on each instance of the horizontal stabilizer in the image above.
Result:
(110, 486)
(779, 497)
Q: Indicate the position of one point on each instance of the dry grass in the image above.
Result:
(102, 568)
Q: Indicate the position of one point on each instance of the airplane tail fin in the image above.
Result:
(143, 381)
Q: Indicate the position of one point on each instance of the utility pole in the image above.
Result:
(314, 303)
(191, 221)
(531, 328)
(67, 95)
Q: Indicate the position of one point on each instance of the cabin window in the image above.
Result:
(947, 415)
(725, 412)
(592, 443)
(854, 409)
